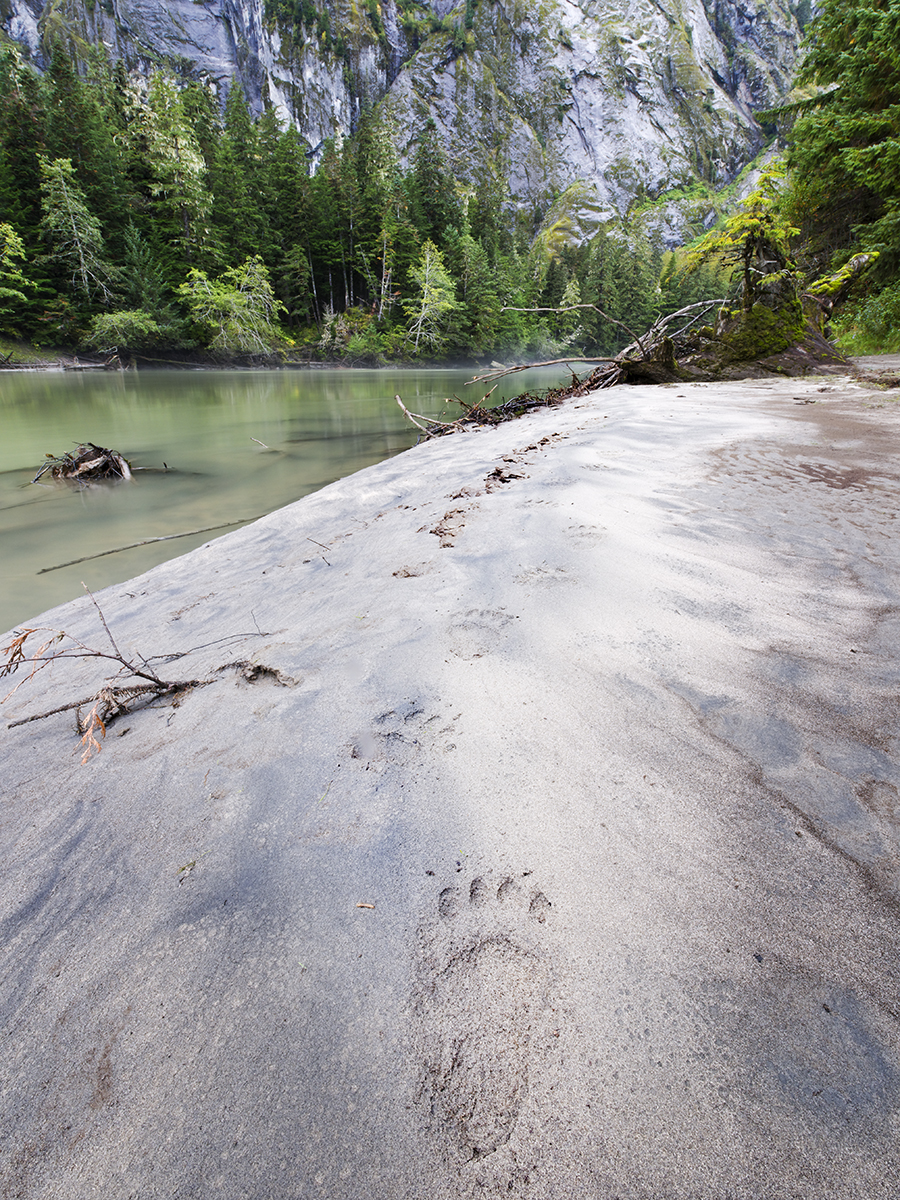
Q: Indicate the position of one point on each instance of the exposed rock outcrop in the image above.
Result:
(628, 103)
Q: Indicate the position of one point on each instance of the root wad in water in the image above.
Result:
(87, 463)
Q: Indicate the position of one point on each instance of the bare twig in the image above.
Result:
(104, 624)
(410, 416)
(232, 637)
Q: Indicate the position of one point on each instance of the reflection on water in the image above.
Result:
(235, 444)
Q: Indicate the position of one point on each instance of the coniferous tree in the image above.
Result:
(601, 287)
(76, 249)
(181, 200)
(80, 125)
(846, 142)
(432, 189)
(235, 175)
(477, 319)
(21, 137)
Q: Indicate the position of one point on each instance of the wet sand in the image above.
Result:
(539, 835)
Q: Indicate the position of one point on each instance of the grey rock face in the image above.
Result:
(631, 100)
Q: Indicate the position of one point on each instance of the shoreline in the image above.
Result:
(536, 833)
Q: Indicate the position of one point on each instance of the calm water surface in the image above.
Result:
(315, 426)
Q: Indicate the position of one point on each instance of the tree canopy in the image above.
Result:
(140, 212)
(846, 140)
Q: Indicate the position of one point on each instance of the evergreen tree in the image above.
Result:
(21, 137)
(754, 239)
(432, 189)
(75, 242)
(601, 287)
(331, 213)
(478, 317)
(178, 184)
(80, 125)
(487, 223)
(235, 175)
(846, 143)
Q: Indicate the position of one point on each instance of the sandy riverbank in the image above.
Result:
(595, 713)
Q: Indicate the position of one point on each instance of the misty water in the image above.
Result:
(209, 448)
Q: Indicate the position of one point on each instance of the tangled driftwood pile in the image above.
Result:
(86, 464)
(477, 414)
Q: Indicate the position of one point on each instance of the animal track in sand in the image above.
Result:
(403, 732)
(449, 526)
(586, 533)
(544, 575)
(478, 631)
(484, 1010)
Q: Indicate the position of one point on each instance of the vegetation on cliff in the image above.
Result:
(140, 215)
(137, 214)
(845, 163)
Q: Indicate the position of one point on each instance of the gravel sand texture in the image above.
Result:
(537, 835)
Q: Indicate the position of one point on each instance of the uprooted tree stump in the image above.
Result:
(87, 463)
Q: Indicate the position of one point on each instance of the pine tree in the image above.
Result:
(178, 183)
(72, 232)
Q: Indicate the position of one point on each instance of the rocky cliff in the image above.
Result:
(614, 102)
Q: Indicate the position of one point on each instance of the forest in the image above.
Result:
(145, 215)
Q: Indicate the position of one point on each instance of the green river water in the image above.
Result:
(206, 427)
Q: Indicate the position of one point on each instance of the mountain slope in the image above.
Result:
(629, 101)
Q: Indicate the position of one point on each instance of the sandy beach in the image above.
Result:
(537, 834)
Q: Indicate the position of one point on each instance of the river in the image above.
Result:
(208, 448)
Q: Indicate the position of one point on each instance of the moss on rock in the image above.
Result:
(760, 331)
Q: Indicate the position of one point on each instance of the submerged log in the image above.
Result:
(87, 463)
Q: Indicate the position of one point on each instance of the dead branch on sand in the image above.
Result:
(112, 699)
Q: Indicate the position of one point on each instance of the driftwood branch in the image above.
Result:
(657, 330)
(417, 421)
(573, 308)
(111, 699)
(168, 537)
(499, 372)
(431, 426)
(123, 697)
